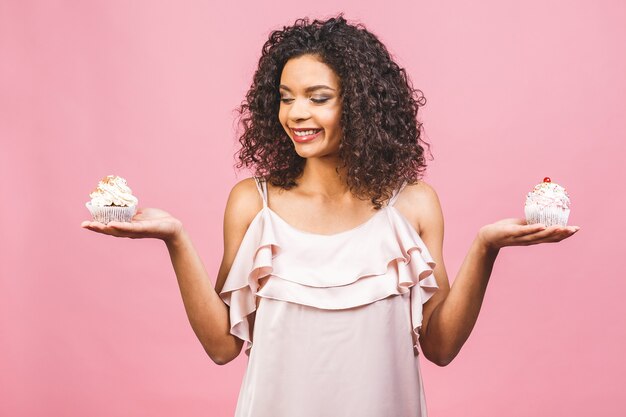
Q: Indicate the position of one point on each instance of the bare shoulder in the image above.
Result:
(244, 203)
(244, 200)
(421, 190)
(420, 204)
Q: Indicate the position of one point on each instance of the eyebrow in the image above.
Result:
(309, 89)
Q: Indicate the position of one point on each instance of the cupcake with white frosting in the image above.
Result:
(548, 203)
(112, 200)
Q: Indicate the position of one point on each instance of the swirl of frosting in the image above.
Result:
(548, 194)
(113, 191)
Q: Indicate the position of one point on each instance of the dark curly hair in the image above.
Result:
(380, 147)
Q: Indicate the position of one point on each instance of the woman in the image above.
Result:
(332, 270)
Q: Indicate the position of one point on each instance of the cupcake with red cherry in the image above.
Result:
(548, 203)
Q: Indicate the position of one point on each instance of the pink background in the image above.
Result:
(92, 325)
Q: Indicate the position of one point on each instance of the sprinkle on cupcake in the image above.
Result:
(547, 203)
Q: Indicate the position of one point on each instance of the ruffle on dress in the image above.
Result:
(380, 258)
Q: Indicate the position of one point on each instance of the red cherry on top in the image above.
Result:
(547, 179)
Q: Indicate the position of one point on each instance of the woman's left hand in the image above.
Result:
(515, 232)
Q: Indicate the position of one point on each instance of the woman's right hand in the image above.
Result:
(147, 223)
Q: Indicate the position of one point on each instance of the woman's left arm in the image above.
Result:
(451, 313)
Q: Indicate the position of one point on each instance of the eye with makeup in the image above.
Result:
(319, 100)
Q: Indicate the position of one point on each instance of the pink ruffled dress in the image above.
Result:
(332, 328)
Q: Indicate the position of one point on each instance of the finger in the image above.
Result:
(138, 216)
(91, 225)
(535, 226)
(530, 229)
(130, 229)
(554, 234)
(123, 225)
(534, 235)
(539, 227)
(98, 229)
(120, 229)
(103, 228)
(564, 232)
(558, 229)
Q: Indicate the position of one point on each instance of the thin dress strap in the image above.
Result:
(261, 185)
(395, 195)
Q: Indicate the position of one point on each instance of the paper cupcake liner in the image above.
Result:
(108, 214)
(549, 216)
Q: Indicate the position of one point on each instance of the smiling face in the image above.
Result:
(310, 106)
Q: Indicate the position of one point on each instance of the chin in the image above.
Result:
(306, 154)
(319, 151)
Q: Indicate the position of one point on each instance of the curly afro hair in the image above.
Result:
(381, 144)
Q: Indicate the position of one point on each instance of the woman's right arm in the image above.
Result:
(206, 311)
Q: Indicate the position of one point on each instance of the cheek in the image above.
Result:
(332, 118)
(282, 117)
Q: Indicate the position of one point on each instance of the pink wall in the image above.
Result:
(92, 325)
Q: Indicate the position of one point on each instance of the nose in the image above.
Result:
(299, 110)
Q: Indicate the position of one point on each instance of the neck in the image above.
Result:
(320, 176)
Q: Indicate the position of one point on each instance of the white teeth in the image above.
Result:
(305, 133)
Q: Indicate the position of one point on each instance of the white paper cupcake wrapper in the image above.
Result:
(549, 216)
(111, 213)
